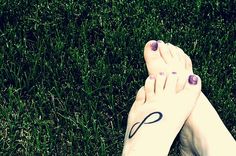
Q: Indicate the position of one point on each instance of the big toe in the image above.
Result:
(151, 51)
(192, 88)
(152, 57)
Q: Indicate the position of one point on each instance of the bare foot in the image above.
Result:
(159, 113)
(203, 133)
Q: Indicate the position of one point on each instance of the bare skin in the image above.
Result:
(159, 113)
(203, 133)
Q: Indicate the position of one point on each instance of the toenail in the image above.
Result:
(161, 73)
(192, 79)
(174, 72)
(152, 77)
(154, 46)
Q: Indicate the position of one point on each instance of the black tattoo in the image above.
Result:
(131, 133)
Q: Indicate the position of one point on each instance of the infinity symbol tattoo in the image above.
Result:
(131, 133)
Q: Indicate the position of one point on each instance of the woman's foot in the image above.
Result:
(196, 136)
(158, 114)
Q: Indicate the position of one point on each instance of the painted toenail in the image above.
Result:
(154, 46)
(174, 72)
(192, 79)
(152, 77)
(161, 73)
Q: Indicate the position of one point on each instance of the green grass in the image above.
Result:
(69, 70)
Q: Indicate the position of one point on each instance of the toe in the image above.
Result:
(194, 82)
(188, 64)
(182, 55)
(149, 87)
(153, 58)
(165, 52)
(140, 97)
(182, 71)
(171, 83)
(151, 50)
(185, 65)
(192, 88)
(179, 53)
(181, 81)
(172, 50)
(160, 83)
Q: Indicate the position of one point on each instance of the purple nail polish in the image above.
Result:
(161, 73)
(192, 79)
(152, 77)
(174, 72)
(154, 46)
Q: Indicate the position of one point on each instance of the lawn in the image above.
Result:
(69, 70)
